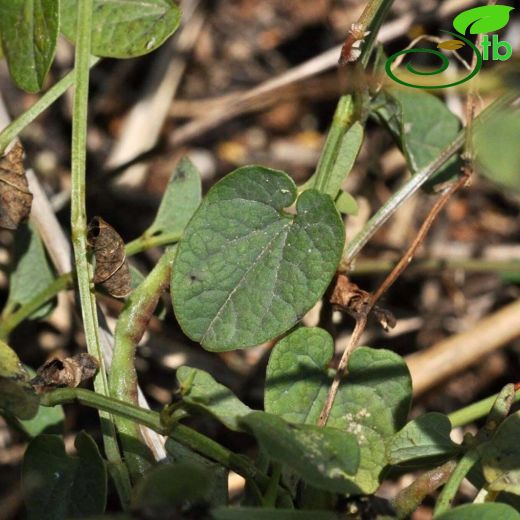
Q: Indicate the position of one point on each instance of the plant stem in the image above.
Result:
(130, 328)
(449, 491)
(371, 19)
(13, 129)
(23, 312)
(144, 242)
(340, 124)
(79, 239)
(411, 187)
(475, 411)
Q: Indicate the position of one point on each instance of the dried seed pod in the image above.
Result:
(15, 197)
(112, 271)
(348, 297)
(67, 372)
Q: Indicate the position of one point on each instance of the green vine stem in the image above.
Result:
(412, 186)
(14, 129)
(79, 239)
(130, 328)
(145, 242)
(182, 434)
(476, 410)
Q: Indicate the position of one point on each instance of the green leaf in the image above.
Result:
(496, 146)
(485, 19)
(17, 396)
(180, 200)
(346, 204)
(372, 403)
(200, 391)
(179, 454)
(48, 418)
(427, 128)
(59, 486)
(501, 457)
(323, 457)
(425, 437)
(256, 513)
(172, 487)
(246, 271)
(29, 32)
(31, 273)
(480, 512)
(124, 28)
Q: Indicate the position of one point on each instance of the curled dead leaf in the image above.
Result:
(67, 372)
(451, 45)
(15, 197)
(112, 271)
(350, 298)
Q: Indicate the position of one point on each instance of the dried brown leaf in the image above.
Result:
(67, 372)
(112, 270)
(15, 197)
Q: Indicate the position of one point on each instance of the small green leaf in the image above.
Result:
(29, 32)
(480, 512)
(257, 513)
(425, 437)
(31, 273)
(484, 19)
(346, 204)
(180, 200)
(501, 457)
(200, 391)
(17, 396)
(48, 419)
(323, 457)
(497, 150)
(372, 403)
(172, 487)
(58, 486)
(124, 28)
(246, 271)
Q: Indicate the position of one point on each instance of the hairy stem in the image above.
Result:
(79, 239)
(130, 328)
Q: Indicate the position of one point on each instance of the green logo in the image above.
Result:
(478, 20)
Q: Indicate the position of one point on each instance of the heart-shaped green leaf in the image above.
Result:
(501, 457)
(372, 402)
(423, 438)
(124, 28)
(484, 19)
(58, 486)
(200, 391)
(29, 32)
(480, 512)
(246, 271)
(17, 396)
(323, 457)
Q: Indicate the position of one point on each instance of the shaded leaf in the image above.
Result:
(372, 404)
(480, 512)
(180, 200)
(59, 486)
(484, 19)
(15, 197)
(67, 372)
(201, 391)
(112, 271)
(324, 457)
(32, 271)
(496, 146)
(16, 393)
(346, 204)
(257, 513)
(124, 28)
(501, 457)
(425, 437)
(29, 33)
(246, 270)
(172, 487)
